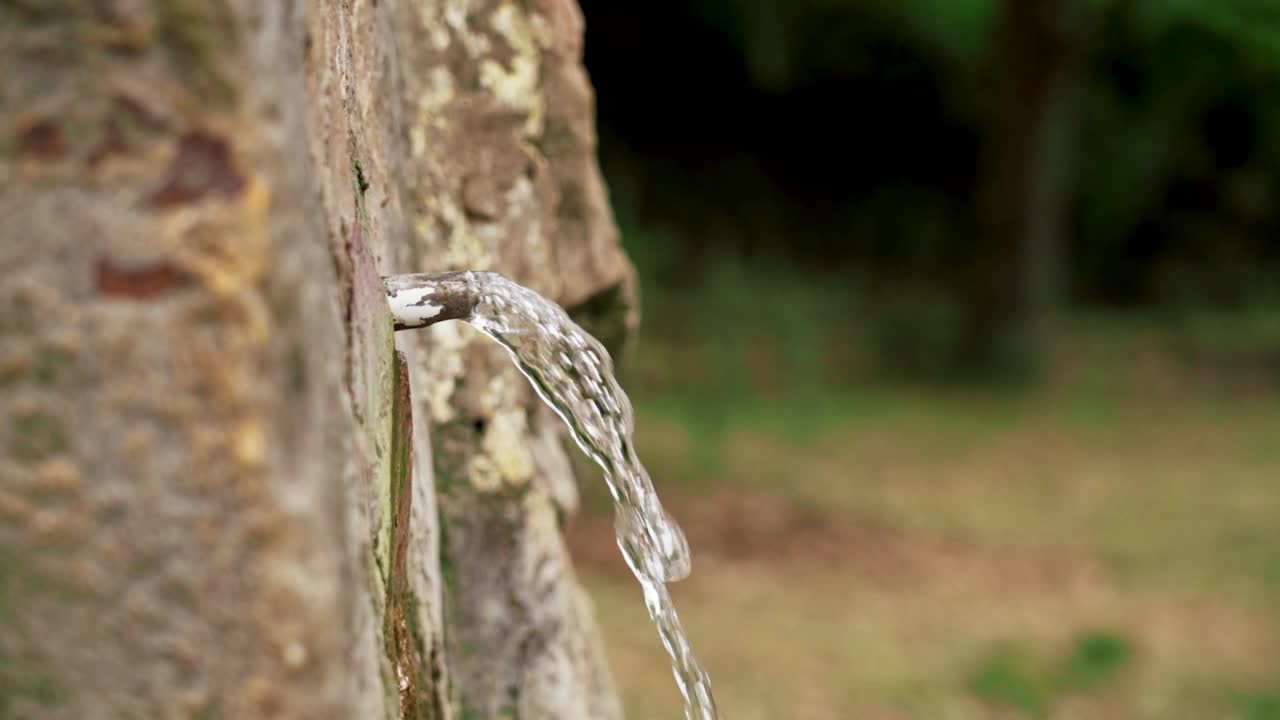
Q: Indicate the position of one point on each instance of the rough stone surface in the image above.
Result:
(502, 176)
(214, 501)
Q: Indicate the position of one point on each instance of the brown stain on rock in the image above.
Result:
(202, 166)
(42, 139)
(113, 143)
(142, 283)
(137, 112)
(129, 126)
(124, 26)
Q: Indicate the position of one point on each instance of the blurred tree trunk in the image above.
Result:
(1018, 259)
(226, 490)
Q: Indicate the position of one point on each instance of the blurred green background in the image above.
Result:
(959, 356)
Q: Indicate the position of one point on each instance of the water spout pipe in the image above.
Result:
(421, 299)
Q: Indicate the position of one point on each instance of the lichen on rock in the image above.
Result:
(214, 499)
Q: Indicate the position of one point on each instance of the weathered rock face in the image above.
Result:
(221, 494)
(503, 177)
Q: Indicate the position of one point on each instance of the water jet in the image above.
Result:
(573, 374)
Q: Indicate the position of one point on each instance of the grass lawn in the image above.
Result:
(955, 555)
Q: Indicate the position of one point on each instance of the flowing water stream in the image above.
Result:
(573, 374)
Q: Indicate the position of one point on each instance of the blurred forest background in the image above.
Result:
(960, 351)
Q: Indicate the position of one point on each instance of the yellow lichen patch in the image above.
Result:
(13, 363)
(497, 394)
(516, 86)
(504, 442)
(227, 251)
(294, 654)
(429, 19)
(445, 368)
(216, 216)
(541, 514)
(258, 691)
(64, 340)
(51, 524)
(457, 18)
(418, 140)
(439, 37)
(57, 475)
(439, 92)
(484, 474)
(13, 507)
(464, 249)
(137, 442)
(543, 33)
(248, 444)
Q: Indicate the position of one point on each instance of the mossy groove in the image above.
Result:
(401, 636)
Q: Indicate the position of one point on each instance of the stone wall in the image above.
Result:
(226, 490)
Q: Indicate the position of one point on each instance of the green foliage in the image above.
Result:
(1178, 149)
(1012, 676)
(1254, 24)
(1260, 706)
(1008, 677)
(1174, 175)
(1097, 657)
(961, 27)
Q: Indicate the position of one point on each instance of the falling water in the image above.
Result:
(573, 374)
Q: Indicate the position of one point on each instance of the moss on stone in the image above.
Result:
(36, 435)
(19, 318)
(23, 678)
(52, 366)
(196, 34)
